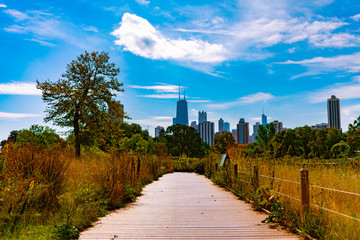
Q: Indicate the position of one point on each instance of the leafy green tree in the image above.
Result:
(353, 135)
(334, 136)
(355, 126)
(304, 136)
(222, 141)
(181, 139)
(83, 99)
(38, 135)
(340, 149)
(265, 134)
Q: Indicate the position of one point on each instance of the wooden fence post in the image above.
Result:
(235, 171)
(305, 194)
(256, 177)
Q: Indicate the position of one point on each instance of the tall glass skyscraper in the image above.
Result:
(202, 117)
(333, 106)
(181, 112)
(221, 125)
(263, 119)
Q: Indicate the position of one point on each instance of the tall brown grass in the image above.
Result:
(48, 187)
(342, 175)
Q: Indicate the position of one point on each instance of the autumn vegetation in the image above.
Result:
(53, 186)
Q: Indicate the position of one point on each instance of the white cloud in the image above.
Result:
(91, 29)
(341, 91)
(2, 5)
(356, 17)
(43, 27)
(252, 98)
(160, 96)
(5, 115)
(138, 36)
(159, 88)
(347, 63)
(143, 2)
(257, 97)
(16, 14)
(18, 88)
(351, 110)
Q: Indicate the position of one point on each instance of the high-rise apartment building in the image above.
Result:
(242, 132)
(202, 117)
(181, 112)
(278, 126)
(255, 131)
(333, 107)
(320, 126)
(263, 119)
(227, 126)
(234, 133)
(221, 125)
(158, 130)
(194, 125)
(206, 130)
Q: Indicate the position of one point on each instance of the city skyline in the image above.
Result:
(234, 58)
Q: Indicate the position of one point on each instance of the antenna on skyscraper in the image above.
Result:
(179, 91)
(184, 92)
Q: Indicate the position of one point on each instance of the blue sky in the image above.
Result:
(234, 57)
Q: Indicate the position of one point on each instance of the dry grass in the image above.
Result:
(48, 190)
(318, 223)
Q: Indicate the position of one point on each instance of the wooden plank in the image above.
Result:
(185, 206)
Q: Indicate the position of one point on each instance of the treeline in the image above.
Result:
(306, 142)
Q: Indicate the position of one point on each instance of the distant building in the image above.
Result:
(227, 126)
(221, 125)
(158, 130)
(202, 117)
(251, 139)
(320, 126)
(234, 133)
(206, 130)
(242, 132)
(263, 119)
(278, 126)
(333, 107)
(255, 131)
(194, 125)
(181, 112)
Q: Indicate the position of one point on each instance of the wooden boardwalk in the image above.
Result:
(185, 206)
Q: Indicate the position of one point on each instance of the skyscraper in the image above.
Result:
(255, 130)
(263, 119)
(221, 125)
(193, 124)
(234, 133)
(227, 126)
(278, 126)
(202, 117)
(181, 112)
(158, 130)
(333, 107)
(206, 130)
(242, 132)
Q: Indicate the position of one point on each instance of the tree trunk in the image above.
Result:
(76, 133)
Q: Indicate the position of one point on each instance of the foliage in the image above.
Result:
(38, 135)
(222, 141)
(181, 139)
(83, 98)
(265, 134)
(341, 149)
